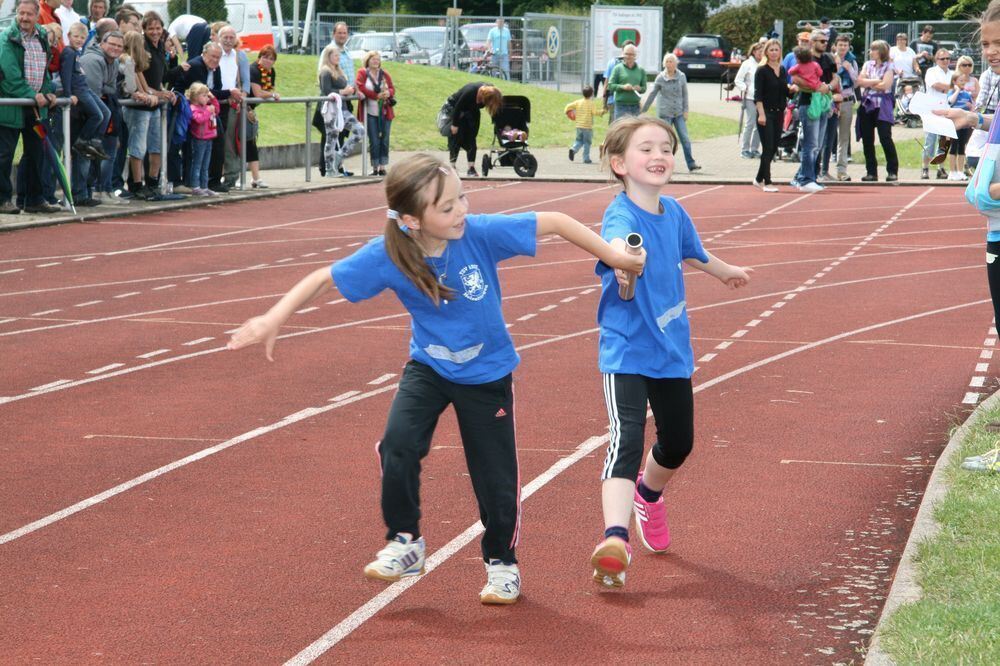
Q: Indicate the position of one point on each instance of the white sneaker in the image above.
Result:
(113, 199)
(757, 184)
(503, 583)
(812, 187)
(401, 557)
(770, 188)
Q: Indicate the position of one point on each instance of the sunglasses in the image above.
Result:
(966, 64)
(944, 59)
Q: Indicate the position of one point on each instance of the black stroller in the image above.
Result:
(510, 138)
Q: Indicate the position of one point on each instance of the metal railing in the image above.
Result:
(308, 101)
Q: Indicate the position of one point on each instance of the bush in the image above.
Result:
(746, 24)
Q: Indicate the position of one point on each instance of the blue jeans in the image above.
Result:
(812, 131)
(378, 140)
(930, 147)
(502, 60)
(829, 143)
(625, 110)
(96, 116)
(682, 133)
(584, 137)
(202, 149)
(101, 178)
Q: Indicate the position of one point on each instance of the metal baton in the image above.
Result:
(633, 245)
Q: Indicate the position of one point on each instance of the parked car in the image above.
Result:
(433, 39)
(701, 56)
(402, 48)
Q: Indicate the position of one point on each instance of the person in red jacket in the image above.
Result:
(375, 85)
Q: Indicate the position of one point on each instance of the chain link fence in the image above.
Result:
(959, 37)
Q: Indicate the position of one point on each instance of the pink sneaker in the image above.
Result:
(610, 560)
(651, 522)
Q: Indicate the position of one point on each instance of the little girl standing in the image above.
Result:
(203, 130)
(645, 343)
(442, 265)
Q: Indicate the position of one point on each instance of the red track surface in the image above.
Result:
(835, 378)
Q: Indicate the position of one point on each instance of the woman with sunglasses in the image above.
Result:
(876, 112)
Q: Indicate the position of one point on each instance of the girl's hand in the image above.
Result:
(454, 130)
(254, 330)
(736, 277)
(761, 120)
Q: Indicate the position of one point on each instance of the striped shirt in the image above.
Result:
(34, 60)
(585, 110)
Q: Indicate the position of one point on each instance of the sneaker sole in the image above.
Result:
(375, 574)
(610, 560)
(496, 600)
(605, 580)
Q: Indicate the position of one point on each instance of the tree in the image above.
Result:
(210, 10)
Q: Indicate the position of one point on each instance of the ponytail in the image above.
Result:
(408, 189)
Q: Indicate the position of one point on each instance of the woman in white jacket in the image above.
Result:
(749, 140)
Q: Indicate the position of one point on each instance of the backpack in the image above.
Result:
(181, 119)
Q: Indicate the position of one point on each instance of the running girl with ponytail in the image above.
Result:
(645, 344)
(442, 265)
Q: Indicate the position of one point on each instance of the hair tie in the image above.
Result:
(394, 215)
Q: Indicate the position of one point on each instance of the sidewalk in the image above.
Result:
(718, 157)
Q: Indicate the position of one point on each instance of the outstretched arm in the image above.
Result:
(264, 328)
(582, 237)
(733, 276)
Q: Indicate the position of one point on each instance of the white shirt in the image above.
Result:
(902, 60)
(67, 17)
(181, 26)
(937, 74)
(745, 77)
(229, 69)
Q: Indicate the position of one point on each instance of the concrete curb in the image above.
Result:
(905, 588)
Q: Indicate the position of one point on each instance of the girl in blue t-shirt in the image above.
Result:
(442, 265)
(645, 343)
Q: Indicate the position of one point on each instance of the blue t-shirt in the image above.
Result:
(789, 62)
(649, 335)
(499, 39)
(465, 340)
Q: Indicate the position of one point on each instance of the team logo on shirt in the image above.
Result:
(472, 280)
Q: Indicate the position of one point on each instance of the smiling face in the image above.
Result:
(227, 38)
(649, 159)
(441, 220)
(629, 55)
(154, 31)
(375, 62)
(27, 16)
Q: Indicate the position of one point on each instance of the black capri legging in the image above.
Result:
(769, 135)
(958, 144)
(993, 275)
(869, 122)
(672, 403)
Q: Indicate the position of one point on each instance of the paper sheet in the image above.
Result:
(924, 105)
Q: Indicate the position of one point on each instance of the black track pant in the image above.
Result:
(769, 135)
(869, 125)
(672, 402)
(993, 274)
(486, 421)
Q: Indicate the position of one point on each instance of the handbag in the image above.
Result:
(444, 118)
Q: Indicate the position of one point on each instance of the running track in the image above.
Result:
(163, 500)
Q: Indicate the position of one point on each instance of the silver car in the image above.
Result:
(402, 48)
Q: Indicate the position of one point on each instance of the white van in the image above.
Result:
(250, 18)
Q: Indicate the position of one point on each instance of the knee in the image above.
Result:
(673, 454)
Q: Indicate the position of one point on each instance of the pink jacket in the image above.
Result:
(203, 120)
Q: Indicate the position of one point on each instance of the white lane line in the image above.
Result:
(165, 286)
(752, 323)
(46, 312)
(11, 270)
(971, 398)
(194, 457)
(724, 345)
(106, 368)
(568, 299)
(192, 343)
(169, 439)
(285, 260)
(51, 263)
(353, 244)
(309, 254)
(46, 387)
(587, 291)
(982, 367)
(546, 308)
(88, 258)
(344, 396)
(305, 310)
(767, 313)
(530, 315)
(977, 382)
(986, 353)
(87, 304)
(151, 354)
(706, 358)
(8, 320)
(127, 294)
(200, 279)
(852, 464)
(739, 334)
(337, 302)
(382, 380)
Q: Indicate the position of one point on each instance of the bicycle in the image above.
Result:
(486, 67)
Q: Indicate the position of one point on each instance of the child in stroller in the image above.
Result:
(510, 138)
(906, 88)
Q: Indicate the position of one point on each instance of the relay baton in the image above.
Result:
(633, 245)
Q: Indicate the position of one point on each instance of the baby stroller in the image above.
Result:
(906, 87)
(791, 135)
(510, 138)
